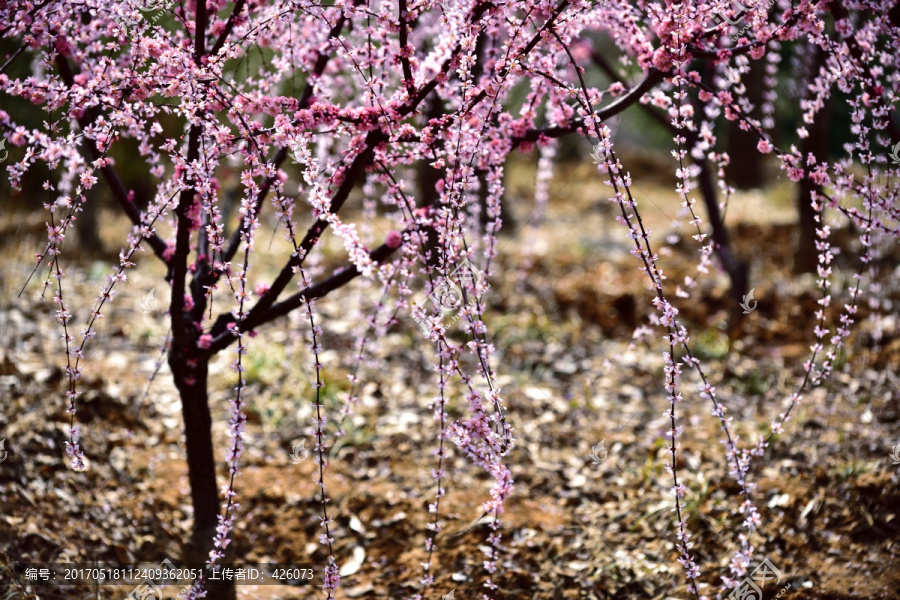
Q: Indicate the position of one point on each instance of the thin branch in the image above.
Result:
(13, 58)
(321, 62)
(852, 42)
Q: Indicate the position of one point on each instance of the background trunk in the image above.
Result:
(738, 270)
(745, 169)
(807, 258)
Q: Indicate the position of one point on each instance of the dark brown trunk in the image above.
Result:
(427, 178)
(745, 169)
(807, 258)
(201, 462)
(87, 223)
(738, 270)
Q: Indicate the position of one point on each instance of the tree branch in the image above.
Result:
(654, 76)
(109, 173)
(229, 26)
(840, 14)
(321, 62)
(222, 336)
(356, 168)
(404, 58)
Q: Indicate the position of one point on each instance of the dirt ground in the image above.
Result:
(571, 376)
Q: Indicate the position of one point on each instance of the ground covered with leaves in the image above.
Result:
(564, 300)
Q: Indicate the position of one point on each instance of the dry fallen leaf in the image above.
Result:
(352, 566)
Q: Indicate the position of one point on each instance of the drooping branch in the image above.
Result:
(862, 65)
(737, 269)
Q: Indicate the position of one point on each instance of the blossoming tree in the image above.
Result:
(361, 94)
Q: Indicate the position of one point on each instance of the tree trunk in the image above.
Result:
(745, 169)
(738, 270)
(87, 223)
(806, 258)
(427, 178)
(201, 462)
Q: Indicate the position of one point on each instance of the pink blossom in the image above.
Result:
(393, 239)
